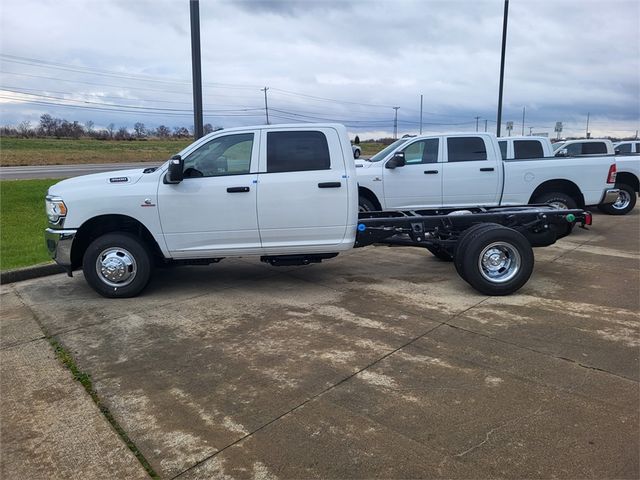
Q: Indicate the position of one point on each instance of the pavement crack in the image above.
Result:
(487, 436)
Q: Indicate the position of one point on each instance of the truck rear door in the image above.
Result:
(472, 172)
(302, 190)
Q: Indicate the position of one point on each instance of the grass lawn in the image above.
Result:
(52, 151)
(22, 222)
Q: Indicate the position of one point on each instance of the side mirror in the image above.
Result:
(563, 152)
(175, 173)
(617, 151)
(397, 161)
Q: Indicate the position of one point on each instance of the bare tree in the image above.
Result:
(163, 131)
(88, 126)
(111, 128)
(139, 129)
(24, 129)
(123, 134)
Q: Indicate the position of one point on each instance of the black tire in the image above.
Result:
(441, 253)
(557, 198)
(123, 256)
(461, 246)
(497, 261)
(365, 205)
(356, 154)
(625, 203)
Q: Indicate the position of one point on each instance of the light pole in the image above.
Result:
(504, 47)
(196, 70)
(420, 114)
(395, 123)
(266, 106)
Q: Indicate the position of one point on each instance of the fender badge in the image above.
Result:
(147, 203)
(118, 179)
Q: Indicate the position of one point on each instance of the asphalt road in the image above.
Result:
(381, 363)
(67, 171)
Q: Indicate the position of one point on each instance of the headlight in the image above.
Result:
(56, 209)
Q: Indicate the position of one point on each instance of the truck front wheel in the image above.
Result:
(117, 265)
(497, 261)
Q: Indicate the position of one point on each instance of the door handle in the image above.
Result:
(488, 169)
(329, 185)
(238, 189)
(430, 172)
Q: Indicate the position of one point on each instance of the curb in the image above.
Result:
(27, 273)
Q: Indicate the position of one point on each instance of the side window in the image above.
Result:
(624, 148)
(465, 149)
(594, 148)
(574, 149)
(297, 151)
(423, 151)
(503, 149)
(527, 149)
(637, 147)
(227, 155)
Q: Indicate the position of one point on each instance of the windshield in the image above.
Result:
(386, 151)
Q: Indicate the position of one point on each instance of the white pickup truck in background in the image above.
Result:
(627, 165)
(463, 170)
(285, 193)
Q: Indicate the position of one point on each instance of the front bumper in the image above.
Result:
(59, 245)
(610, 196)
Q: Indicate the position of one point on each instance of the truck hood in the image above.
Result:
(115, 179)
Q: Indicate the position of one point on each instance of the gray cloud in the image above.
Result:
(564, 59)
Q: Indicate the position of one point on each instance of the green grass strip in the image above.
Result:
(22, 223)
(85, 380)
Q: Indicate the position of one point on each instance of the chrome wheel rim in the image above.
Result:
(559, 204)
(622, 201)
(499, 262)
(116, 267)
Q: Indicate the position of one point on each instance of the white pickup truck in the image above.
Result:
(462, 170)
(286, 193)
(627, 165)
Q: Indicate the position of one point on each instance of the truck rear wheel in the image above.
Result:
(117, 265)
(624, 204)
(461, 246)
(365, 205)
(497, 261)
(557, 199)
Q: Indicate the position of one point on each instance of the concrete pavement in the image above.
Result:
(379, 363)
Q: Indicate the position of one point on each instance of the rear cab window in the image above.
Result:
(527, 149)
(594, 148)
(297, 151)
(466, 149)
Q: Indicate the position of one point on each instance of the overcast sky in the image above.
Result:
(349, 61)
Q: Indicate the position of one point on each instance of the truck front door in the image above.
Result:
(418, 183)
(213, 210)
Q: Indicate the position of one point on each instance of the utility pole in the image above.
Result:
(266, 106)
(420, 114)
(504, 48)
(588, 113)
(395, 123)
(530, 130)
(196, 69)
(523, 121)
(477, 118)
(485, 124)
